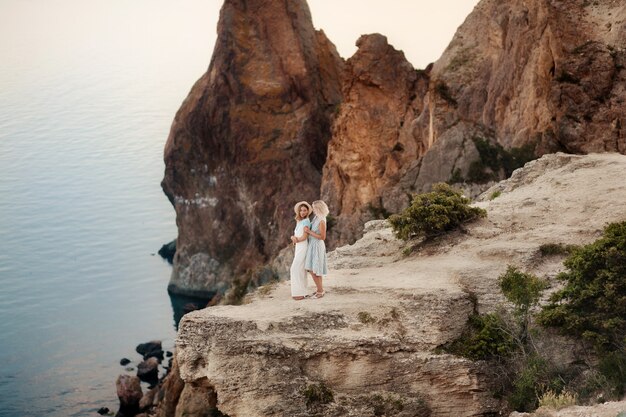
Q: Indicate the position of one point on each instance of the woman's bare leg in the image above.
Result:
(318, 282)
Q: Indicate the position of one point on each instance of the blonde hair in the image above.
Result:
(320, 208)
(299, 206)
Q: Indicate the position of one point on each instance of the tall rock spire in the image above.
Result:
(249, 141)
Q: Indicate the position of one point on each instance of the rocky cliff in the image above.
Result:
(249, 141)
(540, 76)
(371, 341)
(279, 117)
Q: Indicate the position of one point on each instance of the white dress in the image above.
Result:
(297, 272)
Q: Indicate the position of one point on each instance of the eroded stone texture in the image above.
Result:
(249, 141)
(548, 73)
(372, 139)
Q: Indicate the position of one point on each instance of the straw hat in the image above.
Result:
(297, 206)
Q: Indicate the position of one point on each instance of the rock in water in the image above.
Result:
(249, 141)
(129, 394)
(168, 251)
(150, 349)
(148, 370)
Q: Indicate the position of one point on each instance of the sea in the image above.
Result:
(88, 92)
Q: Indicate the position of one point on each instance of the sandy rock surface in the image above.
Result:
(610, 409)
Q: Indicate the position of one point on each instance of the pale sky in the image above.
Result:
(420, 28)
(69, 37)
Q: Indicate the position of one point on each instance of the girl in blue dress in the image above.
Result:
(316, 252)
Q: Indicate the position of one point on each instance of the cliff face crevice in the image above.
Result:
(249, 140)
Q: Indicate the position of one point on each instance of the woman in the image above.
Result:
(316, 253)
(300, 241)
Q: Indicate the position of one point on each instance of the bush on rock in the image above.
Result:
(430, 214)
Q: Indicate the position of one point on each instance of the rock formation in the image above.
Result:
(372, 135)
(249, 141)
(374, 334)
(549, 76)
(279, 117)
(550, 73)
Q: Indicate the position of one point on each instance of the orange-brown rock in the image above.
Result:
(550, 73)
(546, 75)
(372, 135)
(249, 141)
(253, 136)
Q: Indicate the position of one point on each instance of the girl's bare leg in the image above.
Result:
(318, 282)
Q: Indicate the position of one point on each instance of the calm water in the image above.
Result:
(88, 90)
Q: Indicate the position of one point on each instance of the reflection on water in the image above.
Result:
(88, 91)
(182, 305)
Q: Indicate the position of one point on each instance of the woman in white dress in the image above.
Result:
(300, 242)
(316, 252)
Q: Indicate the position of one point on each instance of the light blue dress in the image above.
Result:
(316, 252)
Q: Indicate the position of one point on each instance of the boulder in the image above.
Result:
(148, 370)
(129, 393)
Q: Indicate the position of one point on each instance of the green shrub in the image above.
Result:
(384, 406)
(456, 177)
(393, 404)
(592, 305)
(551, 399)
(331, 221)
(493, 159)
(252, 279)
(485, 338)
(495, 195)
(315, 394)
(520, 288)
(365, 317)
(536, 377)
(431, 214)
(523, 290)
(378, 212)
(612, 367)
(548, 249)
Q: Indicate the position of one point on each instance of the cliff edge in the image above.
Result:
(374, 335)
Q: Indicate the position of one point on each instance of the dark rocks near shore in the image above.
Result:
(133, 400)
(168, 251)
(152, 349)
(148, 370)
(129, 393)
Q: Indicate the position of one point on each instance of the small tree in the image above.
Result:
(430, 214)
(592, 304)
(523, 290)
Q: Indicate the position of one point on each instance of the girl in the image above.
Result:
(300, 241)
(316, 253)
